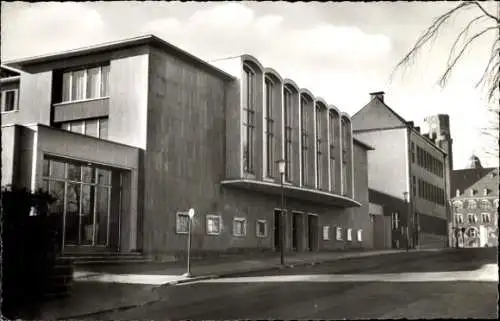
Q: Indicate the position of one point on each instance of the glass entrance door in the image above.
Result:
(83, 193)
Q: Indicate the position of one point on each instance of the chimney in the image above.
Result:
(418, 129)
(410, 123)
(378, 94)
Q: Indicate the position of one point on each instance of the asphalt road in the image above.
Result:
(241, 299)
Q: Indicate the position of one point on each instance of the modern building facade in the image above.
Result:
(129, 135)
(474, 206)
(407, 176)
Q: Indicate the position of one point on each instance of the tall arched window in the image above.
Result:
(345, 156)
(304, 136)
(287, 109)
(319, 146)
(269, 127)
(333, 132)
(249, 119)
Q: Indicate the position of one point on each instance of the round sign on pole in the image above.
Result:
(191, 213)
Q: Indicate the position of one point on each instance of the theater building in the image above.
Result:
(129, 135)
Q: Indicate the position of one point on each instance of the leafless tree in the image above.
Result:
(485, 22)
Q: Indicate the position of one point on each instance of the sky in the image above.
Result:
(340, 51)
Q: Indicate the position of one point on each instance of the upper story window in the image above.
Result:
(458, 205)
(86, 84)
(485, 218)
(287, 109)
(413, 152)
(9, 100)
(269, 127)
(333, 130)
(304, 139)
(459, 218)
(472, 204)
(319, 146)
(248, 119)
(485, 204)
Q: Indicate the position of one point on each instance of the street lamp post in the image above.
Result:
(282, 168)
(405, 194)
(190, 214)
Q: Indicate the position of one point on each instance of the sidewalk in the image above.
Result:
(101, 291)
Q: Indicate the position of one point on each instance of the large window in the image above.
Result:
(345, 156)
(91, 127)
(82, 193)
(248, 120)
(304, 140)
(288, 133)
(239, 226)
(319, 146)
(269, 128)
(182, 223)
(85, 84)
(9, 100)
(261, 228)
(333, 128)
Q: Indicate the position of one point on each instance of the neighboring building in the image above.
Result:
(405, 164)
(129, 135)
(475, 206)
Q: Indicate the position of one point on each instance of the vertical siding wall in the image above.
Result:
(184, 161)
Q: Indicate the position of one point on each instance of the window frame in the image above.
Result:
(244, 228)
(349, 234)
(483, 215)
(269, 125)
(338, 233)
(85, 70)
(249, 124)
(4, 100)
(287, 110)
(212, 216)
(474, 218)
(459, 218)
(257, 234)
(360, 235)
(304, 140)
(326, 233)
(177, 215)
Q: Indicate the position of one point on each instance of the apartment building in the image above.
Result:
(474, 206)
(131, 134)
(407, 176)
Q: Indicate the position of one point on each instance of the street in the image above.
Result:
(404, 285)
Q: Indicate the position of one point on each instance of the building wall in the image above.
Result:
(387, 164)
(34, 99)
(128, 104)
(185, 161)
(9, 154)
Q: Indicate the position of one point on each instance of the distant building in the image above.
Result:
(475, 206)
(129, 135)
(405, 163)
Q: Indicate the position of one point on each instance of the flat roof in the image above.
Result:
(363, 144)
(115, 45)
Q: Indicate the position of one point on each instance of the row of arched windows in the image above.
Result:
(473, 204)
(283, 121)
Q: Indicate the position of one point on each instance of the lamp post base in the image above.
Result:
(187, 275)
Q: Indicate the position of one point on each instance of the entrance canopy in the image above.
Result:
(300, 193)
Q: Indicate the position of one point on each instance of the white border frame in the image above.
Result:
(16, 100)
(266, 228)
(338, 233)
(240, 219)
(210, 216)
(177, 231)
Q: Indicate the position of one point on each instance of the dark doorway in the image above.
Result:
(296, 231)
(277, 230)
(312, 237)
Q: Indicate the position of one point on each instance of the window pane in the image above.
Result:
(78, 85)
(77, 127)
(91, 127)
(66, 86)
(57, 169)
(87, 226)
(56, 189)
(74, 172)
(105, 81)
(102, 215)
(10, 100)
(103, 128)
(72, 213)
(93, 83)
(88, 174)
(103, 177)
(182, 223)
(45, 167)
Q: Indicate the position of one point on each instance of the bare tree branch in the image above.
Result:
(486, 12)
(459, 37)
(494, 54)
(444, 78)
(430, 33)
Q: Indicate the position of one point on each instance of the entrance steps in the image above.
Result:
(91, 258)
